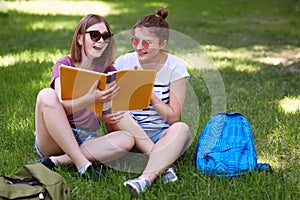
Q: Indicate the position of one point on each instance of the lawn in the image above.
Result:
(242, 56)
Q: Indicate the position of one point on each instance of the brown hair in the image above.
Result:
(87, 21)
(156, 22)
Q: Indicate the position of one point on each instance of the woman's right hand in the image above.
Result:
(96, 95)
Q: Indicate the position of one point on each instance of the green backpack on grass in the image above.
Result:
(34, 181)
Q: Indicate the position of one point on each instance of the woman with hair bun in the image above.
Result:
(161, 121)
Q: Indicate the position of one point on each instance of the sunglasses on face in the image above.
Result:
(136, 41)
(96, 35)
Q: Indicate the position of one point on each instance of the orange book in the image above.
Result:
(135, 87)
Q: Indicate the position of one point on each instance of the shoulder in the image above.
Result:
(176, 61)
(66, 60)
(126, 61)
(177, 67)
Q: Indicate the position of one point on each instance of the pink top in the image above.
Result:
(83, 118)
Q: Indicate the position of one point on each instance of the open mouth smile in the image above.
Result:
(97, 48)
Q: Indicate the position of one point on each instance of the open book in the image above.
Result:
(135, 87)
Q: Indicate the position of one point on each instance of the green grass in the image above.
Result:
(255, 48)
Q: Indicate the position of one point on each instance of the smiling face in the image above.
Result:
(92, 47)
(147, 45)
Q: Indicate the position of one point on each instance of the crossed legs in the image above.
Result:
(163, 153)
(54, 136)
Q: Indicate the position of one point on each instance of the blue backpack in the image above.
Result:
(226, 147)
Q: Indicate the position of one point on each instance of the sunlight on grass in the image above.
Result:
(219, 52)
(29, 56)
(290, 104)
(51, 26)
(285, 56)
(156, 4)
(59, 7)
(243, 57)
(271, 159)
(279, 144)
(235, 58)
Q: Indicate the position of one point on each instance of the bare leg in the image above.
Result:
(103, 149)
(108, 147)
(53, 132)
(167, 150)
(142, 141)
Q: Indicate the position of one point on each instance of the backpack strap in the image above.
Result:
(214, 131)
(20, 189)
(215, 128)
(47, 181)
(31, 181)
(229, 113)
(264, 167)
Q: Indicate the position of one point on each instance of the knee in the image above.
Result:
(127, 141)
(47, 97)
(184, 131)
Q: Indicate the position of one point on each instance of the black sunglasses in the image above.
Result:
(96, 35)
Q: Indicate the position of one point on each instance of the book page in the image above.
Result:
(135, 87)
(77, 82)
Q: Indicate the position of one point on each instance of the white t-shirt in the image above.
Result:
(173, 69)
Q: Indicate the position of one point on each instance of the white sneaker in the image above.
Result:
(137, 186)
(170, 174)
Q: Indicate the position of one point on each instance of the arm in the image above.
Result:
(93, 95)
(172, 112)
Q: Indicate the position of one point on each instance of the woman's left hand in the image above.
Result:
(112, 118)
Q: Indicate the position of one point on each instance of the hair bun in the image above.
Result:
(162, 12)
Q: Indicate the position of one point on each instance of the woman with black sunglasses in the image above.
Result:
(65, 129)
(161, 122)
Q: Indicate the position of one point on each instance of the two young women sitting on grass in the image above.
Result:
(66, 130)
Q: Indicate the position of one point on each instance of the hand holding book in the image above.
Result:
(103, 96)
(134, 92)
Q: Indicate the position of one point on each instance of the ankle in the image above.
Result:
(83, 169)
(53, 160)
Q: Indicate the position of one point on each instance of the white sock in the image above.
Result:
(53, 160)
(83, 169)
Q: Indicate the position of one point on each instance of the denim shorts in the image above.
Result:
(156, 135)
(80, 135)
